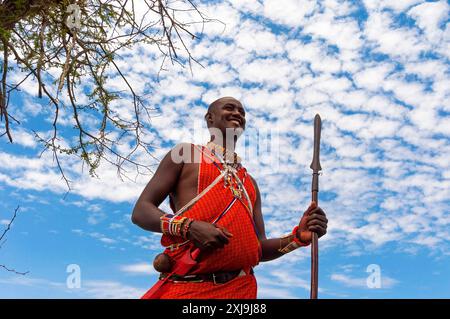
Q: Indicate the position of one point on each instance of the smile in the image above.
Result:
(235, 121)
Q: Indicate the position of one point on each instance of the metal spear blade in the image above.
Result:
(315, 164)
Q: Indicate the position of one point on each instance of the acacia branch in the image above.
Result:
(86, 57)
(8, 227)
(3, 235)
(3, 93)
(13, 270)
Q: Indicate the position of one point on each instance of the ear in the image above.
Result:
(208, 118)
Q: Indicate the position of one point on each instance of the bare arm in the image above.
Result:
(315, 221)
(269, 246)
(146, 213)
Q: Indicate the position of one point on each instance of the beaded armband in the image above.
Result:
(293, 243)
(175, 225)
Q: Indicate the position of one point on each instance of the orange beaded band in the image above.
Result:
(293, 244)
(173, 225)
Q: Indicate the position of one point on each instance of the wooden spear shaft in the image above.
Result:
(315, 166)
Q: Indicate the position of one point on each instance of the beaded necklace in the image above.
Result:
(231, 163)
(228, 158)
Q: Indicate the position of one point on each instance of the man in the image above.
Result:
(216, 235)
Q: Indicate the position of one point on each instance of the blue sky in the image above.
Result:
(376, 71)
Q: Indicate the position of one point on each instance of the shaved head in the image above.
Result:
(225, 114)
(220, 102)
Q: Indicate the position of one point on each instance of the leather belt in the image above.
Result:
(217, 278)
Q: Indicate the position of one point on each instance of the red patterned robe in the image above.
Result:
(243, 250)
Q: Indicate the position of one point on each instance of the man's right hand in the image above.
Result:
(207, 236)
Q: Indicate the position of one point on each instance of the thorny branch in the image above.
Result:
(3, 236)
(36, 35)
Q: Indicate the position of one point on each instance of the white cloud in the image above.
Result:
(274, 293)
(291, 12)
(429, 15)
(384, 138)
(394, 5)
(139, 269)
(101, 237)
(257, 40)
(24, 138)
(345, 34)
(103, 289)
(116, 226)
(96, 218)
(268, 71)
(387, 39)
(361, 282)
(372, 78)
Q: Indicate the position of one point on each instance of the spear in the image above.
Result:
(315, 166)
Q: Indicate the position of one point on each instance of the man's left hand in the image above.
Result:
(313, 220)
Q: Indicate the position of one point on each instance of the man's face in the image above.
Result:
(227, 113)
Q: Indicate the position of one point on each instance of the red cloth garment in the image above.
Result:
(243, 250)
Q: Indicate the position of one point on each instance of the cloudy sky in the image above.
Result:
(378, 74)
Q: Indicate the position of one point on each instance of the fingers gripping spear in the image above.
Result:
(315, 166)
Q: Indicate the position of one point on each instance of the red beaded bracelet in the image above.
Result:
(296, 239)
(185, 228)
(172, 225)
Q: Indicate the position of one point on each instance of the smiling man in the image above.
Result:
(215, 234)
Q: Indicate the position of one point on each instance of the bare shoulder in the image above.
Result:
(185, 153)
(259, 221)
